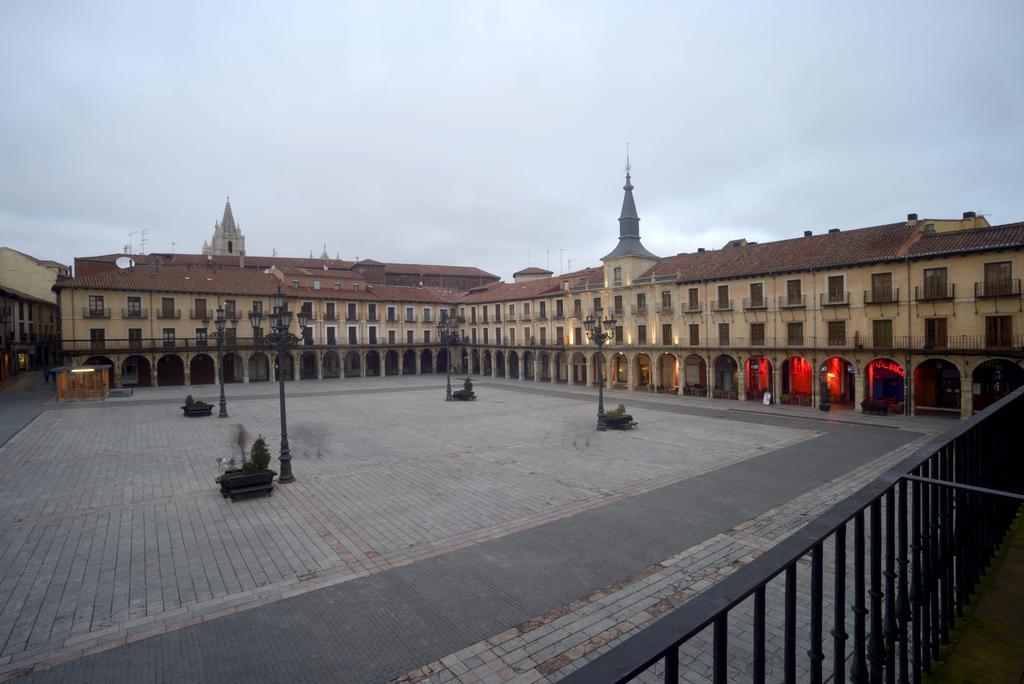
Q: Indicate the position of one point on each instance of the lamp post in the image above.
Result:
(447, 333)
(280, 320)
(5, 318)
(221, 331)
(599, 332)
(826, 400)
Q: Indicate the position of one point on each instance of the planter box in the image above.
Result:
(237, 482)
(623, 422)
(463, 395)
(196, 411)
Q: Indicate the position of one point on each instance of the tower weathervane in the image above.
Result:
(628, 167)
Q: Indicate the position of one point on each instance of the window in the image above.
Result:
(882, 332)
(257, 306)
(200, 311)
(998, 278)
(426, 336)
(998, 332)
(694, 335)
(596, 301)
(135, 307)
(757, 333)
(935, 333)
(473, 335)
(795, 333)
(617, 309)
(329, 311)
(371, 312)
(497, 336)
(577, 307)
(316, 284)
(167, 307)
(351, 315)
(617, 275)
(410, 314)
(793, 293)
(526, 308)
(756, 295)
(559, 309)
(543, 336)
(332, 338)
(618, 334)
(391, 314)
(837, 289)
(391, 336)
(484, 310)
(97, 338)
(352, 338)
(641, 303)
(373, 334)
(723, 297)
(229, 309)
(693, 299)
(168, 334)
(935, 283)
(337, 285)
(641, 334)
(559, 335)
(497, 313)
(257, 333)
(485, 336)
(200, 337)
(511, 312)
(881, 287)
(426, 314)
(95, 306)
(543, 310)
(295, 283)
(512, 336)
(837, 333)
(135, 338)
(666, 334)
(723, 333)
(666, 300)
(577, 335)
(307, 310)
(355, 286)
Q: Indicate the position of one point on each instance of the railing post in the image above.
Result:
(904, 597)
(915, 579)
(720, 646)
(789, 646)
(759, 644)
(672, 666)
(889, 628)
(839, 634)
(858, 670)
(876, 649)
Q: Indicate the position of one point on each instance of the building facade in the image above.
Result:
(29, 314)
(918, 316)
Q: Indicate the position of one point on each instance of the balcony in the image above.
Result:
(331, 316)
(168, 314)
(411, 318)
(934, 293)
(835, 298)
(134, 313)
(882, 295)
(693, 307)
(542, 316)
(352, 318)
(372, 318)
(754, 304)
(200, 314)
(525, 318)
(95, 312)
(997, 288)
(617, 311)
(427, 318)
(722, 305)
(793, 302)
(666, 309)
(559, 316)
(638, 310)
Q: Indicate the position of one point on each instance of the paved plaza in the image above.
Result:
(485, 540)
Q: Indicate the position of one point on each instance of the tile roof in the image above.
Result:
(41, 262)
(501, 292)
(192, 279)
(437, 269)
(18, 294)
(1009, 235)
(878, 243)
(533, 270)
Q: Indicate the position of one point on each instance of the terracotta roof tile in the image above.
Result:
(437, 269)
(1010, 235)
(500, 292)
(197, 279)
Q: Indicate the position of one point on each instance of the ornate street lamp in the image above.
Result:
(826, 400)
(221, 332)
(599, 331)
(280, 320)
(5, 318)
(447, 334)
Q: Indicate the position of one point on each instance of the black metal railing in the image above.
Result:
(693, 307)
(751, 304)
(721, 305)
(882, 295)
(998, 288)
(168, 313)
(930, 293)
(792, 301)
(95, 312)
(834, 298)
(134, 313)
(923, 535)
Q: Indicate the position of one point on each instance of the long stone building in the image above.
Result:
(921, 315)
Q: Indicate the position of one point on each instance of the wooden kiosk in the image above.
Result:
(83, 382)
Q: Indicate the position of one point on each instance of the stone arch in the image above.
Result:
(579, 368)
(426, 361)
(259, 367)
(598, 369)
(643, 373)
(170, 370)
(476, 362)
(726, 376)
(391, 362)
(561, 367)
(409, 362)
(885, 380)
(668, 373)
(937, 388)
(841, 378)
(486, 365)
(441, 361)
(499, 363)
(995, 378)
(372, 363)
(331, 364)
(618, 369)
(513, 365)
(797, 381)
(103, 361)
(544, 361)
(353, 365)
(758, 377)
(528, 365)
(202, 370)
(287, 368)
(307, 366)
(695, 376)
(233, 368)
(136, 371)
(464, 367)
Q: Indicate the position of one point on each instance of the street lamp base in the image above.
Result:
(285, 479)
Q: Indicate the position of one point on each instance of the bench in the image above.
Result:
(874, 407)
(464, 395)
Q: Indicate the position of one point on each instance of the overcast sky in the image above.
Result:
(477, 133)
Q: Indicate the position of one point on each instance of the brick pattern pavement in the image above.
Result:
(553, 644)
(111, 529)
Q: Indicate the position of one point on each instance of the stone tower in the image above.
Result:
(227, 235)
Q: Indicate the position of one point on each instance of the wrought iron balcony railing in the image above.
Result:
(792, 301)
(998, 288)
(834, 298)
(882, 295)
(135, 313)
(95, 312)
(754, 304)
(168, 314)
(928, 293)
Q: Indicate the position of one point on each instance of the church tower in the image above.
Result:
(629, 258)
(227, 236)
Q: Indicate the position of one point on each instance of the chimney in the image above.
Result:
(833, 230)
(912, 219)
(700, 249)
(970, 219)
(969, 214)
(808, 233)
(241, 258)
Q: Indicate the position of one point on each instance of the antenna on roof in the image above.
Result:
(628, 167)
(570, 265)
(273, 251)
(561, 251)
(172, 246)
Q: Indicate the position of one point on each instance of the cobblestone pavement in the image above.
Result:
(111, 530)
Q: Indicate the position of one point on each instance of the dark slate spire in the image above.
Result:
(629, 225)
(227, 223)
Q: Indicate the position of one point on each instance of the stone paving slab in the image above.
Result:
(142, 545)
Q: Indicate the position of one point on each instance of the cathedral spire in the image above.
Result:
(629, 223)
(227, 223)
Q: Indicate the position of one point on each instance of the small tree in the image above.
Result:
(467, 384)
(189, 401)
(259, 455)
(616, 412)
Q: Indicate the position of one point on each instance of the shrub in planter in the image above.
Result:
(194, 407)
(254, 475)
(467, 384)
(618, 419)
(616, 412)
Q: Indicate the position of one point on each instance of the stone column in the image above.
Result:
(419, 365)
(320, 366)
(187, 369)
(858, 390)
(401, 364)
(741, 384)
(362, 364)
(774, 389)
(966, 397)
(245, 369)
